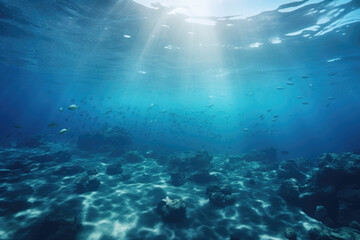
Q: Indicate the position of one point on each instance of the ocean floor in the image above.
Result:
(55, 191)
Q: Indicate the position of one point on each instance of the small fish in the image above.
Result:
(305, 103)
(284, 152)
(210, 105)
(331, 98)
(246, 129)
(52, 124)
(299, 97)
(280, 88)
(276, 116)
(17, 126)
(289, 83)
(73, 107)
(61, 109)
(251, 93)
(269, 110)
(64, 130)
(304, 76)
(310, 85)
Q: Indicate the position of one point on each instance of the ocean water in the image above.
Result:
(177, 96)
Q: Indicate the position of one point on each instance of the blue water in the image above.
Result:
(199, 78)
(106, 107)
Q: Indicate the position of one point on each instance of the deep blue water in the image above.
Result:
(185, 81)
(106, 107)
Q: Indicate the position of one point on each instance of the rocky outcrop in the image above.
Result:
(172, 210)
(193, 161)
(114, 169)
(87, 184)
(290, 234)
(332, 194)
(201, 160)
(334, 234)
(192, 166)
(220, 195)
(177, 179)
(338, 170)
(289, 169)
(289, 190)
